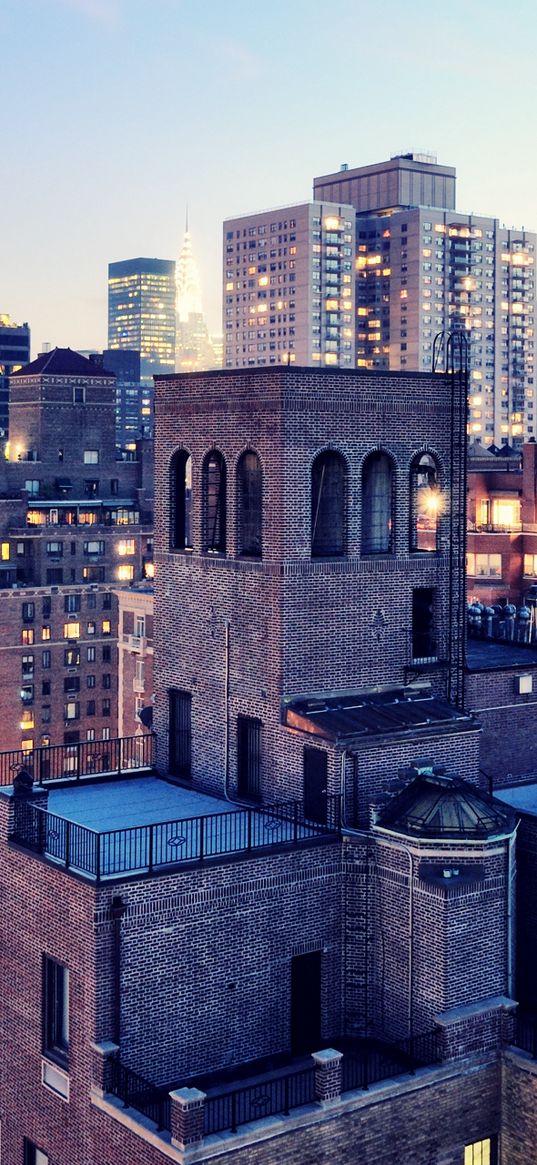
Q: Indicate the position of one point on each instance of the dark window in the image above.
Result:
(248, 756)
(328, 521)
(55, 1011)
(90, 681)
(315, 784)
(45, 688)
(107, 601)
(107, 654)
(28, 612)
(46, 659)
(90, 708)
(47, 606)
(107, 680)
(91, 601)
(180, 710)
(71, 684)
(54, 576)
(214, 503)
(377, 505)
(424, 503)
(181, 500)
(423, 629)
(45, 713)
(250, 505)
(114, 485)
(71, 603)
(33, 1155)
(106, 707)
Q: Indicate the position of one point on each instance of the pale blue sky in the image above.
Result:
(115, 113)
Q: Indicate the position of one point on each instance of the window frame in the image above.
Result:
(55, 1011)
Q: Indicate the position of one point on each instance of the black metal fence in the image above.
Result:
(253, 1102)
(89, 758)
(137, 1093)
(525, 1033)
(373, 1060)
(146, 848)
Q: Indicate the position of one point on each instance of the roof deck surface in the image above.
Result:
(133, 801)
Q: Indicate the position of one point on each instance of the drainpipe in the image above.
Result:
(227, 626)
(511, 868)
(117, 910)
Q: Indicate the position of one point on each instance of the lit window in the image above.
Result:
(106, 627)
(480, 1152)
(5, 551)
(71, 630)
(125, 572)
(91, 456)
(45, 632)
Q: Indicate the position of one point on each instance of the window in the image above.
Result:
(55, 1011)
(315, 776)
(126, 546)
(181, 501)
(424, 503)
(90, 681)
(54, 576)
(5, 551)
(249, 505)
(33, 1155)
(423, 629)
(107, 654)
(125, 572)
(92, 627)
(180, 733)
(31, 486)
(107, 601)
(46, 607)
(214, 503)
(71, 630)
(90, 654)
(27, 693)
(45, 713)
(106, 627)
(27, 636)
(377, 504)
(248, 756)
(90, 708)
(487, 566)
(71, 684)
(94, 547)
(71, 603)
(71, 710)
(106, 707)
(71, 657)
(55, 549)
(328, 518)
(105, 734)
(107, 679)
(46, 659)
(481, 1152)
(45, 633)
(28, 612)
(91, 456)
(27, 665)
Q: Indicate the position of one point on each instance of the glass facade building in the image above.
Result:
(141, 317)
(14, 352)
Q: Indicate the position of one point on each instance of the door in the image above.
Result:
(306, 1003)
(315, 784)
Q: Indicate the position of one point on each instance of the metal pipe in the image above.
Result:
(227, 625)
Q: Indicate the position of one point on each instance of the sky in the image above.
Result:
(116, 114)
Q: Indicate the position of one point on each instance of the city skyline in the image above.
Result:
(237, 121)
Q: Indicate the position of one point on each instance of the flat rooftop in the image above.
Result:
(521, 797)
(131, 802)
(495, 654)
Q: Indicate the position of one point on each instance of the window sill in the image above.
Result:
(55, 1078)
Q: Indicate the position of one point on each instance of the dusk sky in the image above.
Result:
(116, 113)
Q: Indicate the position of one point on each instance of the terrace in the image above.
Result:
(102, 813)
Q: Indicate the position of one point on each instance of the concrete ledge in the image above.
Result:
(470, 1010)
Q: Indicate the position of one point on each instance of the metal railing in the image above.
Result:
(147, 848)
(374, 1061)
(254, 1102)
(89, 758)
(137, 1093)
(525, 1033)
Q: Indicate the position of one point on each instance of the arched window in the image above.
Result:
(214, 502)
(424, 503)
(181, 501)
(377, 504)
(328, 509)
(249, 505)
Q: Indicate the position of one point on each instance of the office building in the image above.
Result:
(130, 421)
(289, 287)
(423, 268)
(14, 352)
(141, 318)
(75, 521)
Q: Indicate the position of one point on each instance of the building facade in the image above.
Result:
(295, 936)
(289, 287)
(14, 352)
(76, 519)
(141, 318)
(423, 268)
(135, 654)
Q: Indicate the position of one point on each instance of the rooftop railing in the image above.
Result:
(73, 762)
(152, 848)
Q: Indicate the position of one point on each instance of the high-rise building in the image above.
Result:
(141, 317)
(14, 352)
(130, 422)
(289, 286)
(423, 268)
(195, 350)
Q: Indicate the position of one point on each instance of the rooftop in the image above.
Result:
(361, 715)
(440, 806)
(62, 362)
(494, 655)
(520, 797)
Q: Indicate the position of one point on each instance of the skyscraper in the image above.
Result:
(194, 348)
(14, 352)
(289, 286)
(141, 317)
(423, 268)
